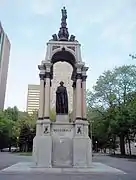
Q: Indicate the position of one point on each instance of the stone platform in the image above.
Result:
(28, 167)
(62, 144)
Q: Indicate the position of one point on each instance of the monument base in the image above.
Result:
(24, 168)
(62, 144)
(62, 152)
(82, 152)
(62, 118)
(42, 151)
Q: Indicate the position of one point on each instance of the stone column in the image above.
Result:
(84, 109)
(78, 92)
(41, 98)
(84, 98)
(78, 97)
(74, 100)
(41, 101)
(47, 92)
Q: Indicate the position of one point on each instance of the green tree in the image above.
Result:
(53, 115)
(111, 93)
(27, 131)
(12, 113)
(6, 131)
(17, 128)
(4, 134)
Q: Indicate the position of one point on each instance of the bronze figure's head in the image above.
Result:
(61, 83)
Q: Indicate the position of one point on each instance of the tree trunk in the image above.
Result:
(129, 145)
(23, 149)
(26, 147)
(114, 152)
(122, 145)
(10, 148)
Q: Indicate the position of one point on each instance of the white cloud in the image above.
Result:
(119, 32)
(38, 7)
(1, 2)
(98, 66)
(120, 26)
(42, 7)
(26, 31)
(95, 12)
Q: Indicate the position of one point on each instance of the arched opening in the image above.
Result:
(64, 56)
(62, 70)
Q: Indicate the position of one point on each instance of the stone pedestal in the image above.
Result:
(82, 153)
(42, 151)
(42, 144)
(62, 118)
(62, 138)
(62, 144)
(62, 152)
(82, 146)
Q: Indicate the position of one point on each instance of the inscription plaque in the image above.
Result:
(63, 130)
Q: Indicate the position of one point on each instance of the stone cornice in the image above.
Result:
(84, 78)
(41, 67)
(42, 76)
(48, 75)
(74, 84)
(78, 76)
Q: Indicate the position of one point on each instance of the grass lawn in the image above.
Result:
(123, 156)
(24, 153)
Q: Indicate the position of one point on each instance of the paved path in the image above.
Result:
(7, 159)
(129, 166)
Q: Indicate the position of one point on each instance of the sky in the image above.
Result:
(105, 28)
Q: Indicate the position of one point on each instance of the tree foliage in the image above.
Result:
(114, 99)
(12, 127)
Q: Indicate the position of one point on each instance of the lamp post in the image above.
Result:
(17, 141)
(91, 128)
(96, 142)
(110, 148)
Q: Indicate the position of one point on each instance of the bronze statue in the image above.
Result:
(63, 34)
(64, 13)
(61, 99)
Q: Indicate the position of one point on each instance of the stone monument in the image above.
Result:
(62, 143)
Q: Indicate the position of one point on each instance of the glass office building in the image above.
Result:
(4, 62)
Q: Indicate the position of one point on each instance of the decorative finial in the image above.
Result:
(63, 34)
(64, 13)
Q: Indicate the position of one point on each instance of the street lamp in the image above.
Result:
(91, 132)
(17, 141)
(96, 145)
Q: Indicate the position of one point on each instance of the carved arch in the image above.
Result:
(64, 54)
